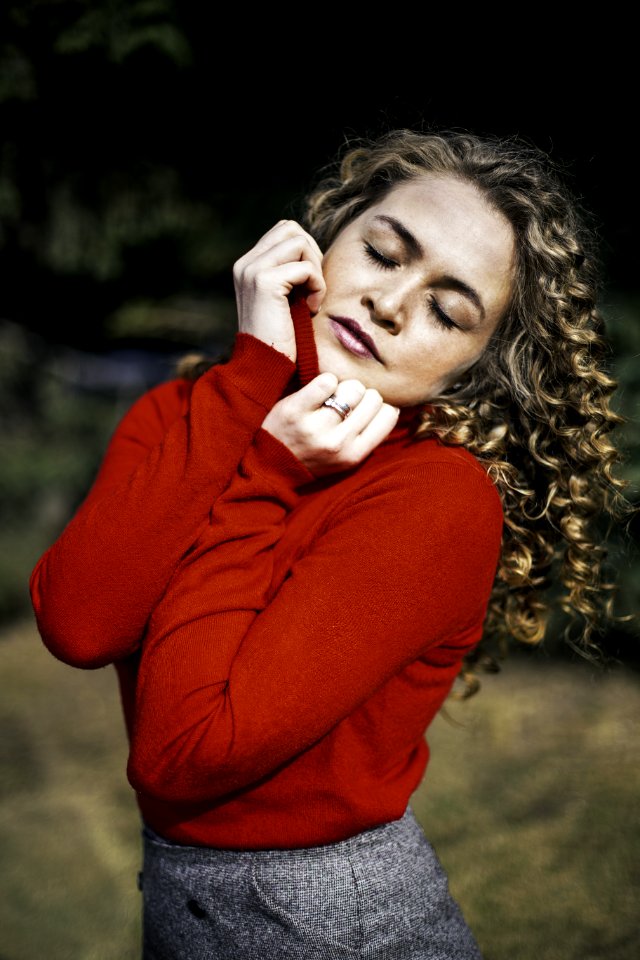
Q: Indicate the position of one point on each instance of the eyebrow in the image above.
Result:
(415, 249)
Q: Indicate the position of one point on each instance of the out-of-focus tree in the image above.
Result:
(134, 169)
(106, 199)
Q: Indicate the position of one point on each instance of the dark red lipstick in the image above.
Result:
(353, 337)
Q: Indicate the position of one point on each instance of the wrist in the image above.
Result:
(258, 370)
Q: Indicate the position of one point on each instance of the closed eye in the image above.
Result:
(379, 259)
(442, 318)
(386, 263)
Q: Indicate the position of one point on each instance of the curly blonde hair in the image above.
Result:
(535, 407)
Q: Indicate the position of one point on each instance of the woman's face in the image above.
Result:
(416, 285)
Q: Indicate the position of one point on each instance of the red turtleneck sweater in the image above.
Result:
(282, 642)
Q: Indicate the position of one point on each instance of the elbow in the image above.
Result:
(73, 645)
(56, 629)
(74, 651)
(74, 640)
(164, 781)
(171, 777)
(187, 753)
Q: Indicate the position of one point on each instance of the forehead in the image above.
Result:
(452, 220)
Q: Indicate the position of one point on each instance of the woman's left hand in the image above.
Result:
(318, 436)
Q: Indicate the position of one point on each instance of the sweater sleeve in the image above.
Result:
(236, 678)
(93, 590)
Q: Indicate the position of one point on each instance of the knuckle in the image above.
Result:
(356, 453)
(332, 448)
(260, 278)
(245, 269)
(290, 420)
(328, 380)
(349, 459)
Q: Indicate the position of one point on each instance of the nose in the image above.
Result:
(390, 303)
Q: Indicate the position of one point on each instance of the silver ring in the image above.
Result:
(342, 408)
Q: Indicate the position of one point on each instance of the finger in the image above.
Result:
(315, 293)
(366, 405)
(313, 394)
(293, 228)
(314, 300)
(283, 231)
(290, 254)
(279, 231)
(376, 430)
(349, 392)
(283, 278)
(285, 250)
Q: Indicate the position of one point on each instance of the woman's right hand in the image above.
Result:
(285, 257)
(318, 436)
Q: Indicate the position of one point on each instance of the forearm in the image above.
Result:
(239, 675)
(184, 713)
(94, 589)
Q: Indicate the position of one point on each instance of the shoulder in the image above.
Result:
(420, 490)
(425, 510)
(443, 500)
(424, 470)
(155, 410)
(460, 465)
(167, 400)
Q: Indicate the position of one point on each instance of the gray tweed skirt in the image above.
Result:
(380, 895)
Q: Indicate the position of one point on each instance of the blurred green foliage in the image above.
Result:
(622, 315)
(126, 193)
(51, 441)
(120, 174)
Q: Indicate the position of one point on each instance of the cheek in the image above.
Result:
(342, 269)
(330, 267)
(440, 361)
(462, 361)
(437, 349)
(459, 351)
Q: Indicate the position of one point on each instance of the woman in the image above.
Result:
(290, 556)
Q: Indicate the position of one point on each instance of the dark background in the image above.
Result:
(144, 146)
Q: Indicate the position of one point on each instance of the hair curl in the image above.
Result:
(535, 407)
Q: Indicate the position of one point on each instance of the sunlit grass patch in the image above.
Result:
(532, 806)
(530, 799)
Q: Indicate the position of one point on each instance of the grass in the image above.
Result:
(530, 799)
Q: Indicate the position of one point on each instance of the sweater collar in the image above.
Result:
(307, 355)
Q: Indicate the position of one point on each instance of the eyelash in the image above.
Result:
(443, 318)
(378, 258)
(386, 263)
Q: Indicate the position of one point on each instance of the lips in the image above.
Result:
(353, 337)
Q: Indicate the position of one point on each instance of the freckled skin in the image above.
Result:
(461, 236)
